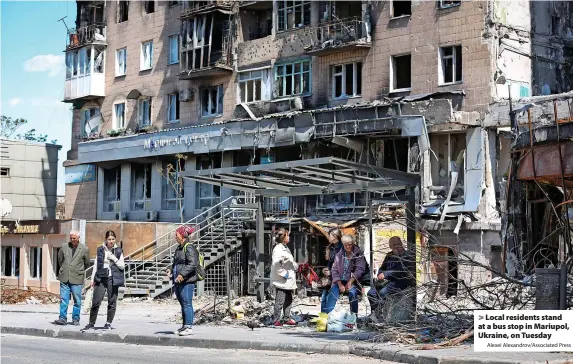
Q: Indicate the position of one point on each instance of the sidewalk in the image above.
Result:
(152, 325)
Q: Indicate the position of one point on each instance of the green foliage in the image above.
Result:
(9, 127)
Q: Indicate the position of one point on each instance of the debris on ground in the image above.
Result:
(19, 296)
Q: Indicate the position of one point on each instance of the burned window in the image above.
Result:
(149, 7)
(122, 11)
(347, 80)
(292, 78)
(173, 108)
(444, 4)
(141, 187)
(400, 8)
(401, 73)
(449, 150)
(257, 21)
(173, 186)
(144, 111)
(212, 101)
(35, 262)
(10, 261)
(112, 189)
(207, 195)
(293, 14)
(450, 65)
(253, 86)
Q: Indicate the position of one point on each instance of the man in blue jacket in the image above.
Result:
(395, 274)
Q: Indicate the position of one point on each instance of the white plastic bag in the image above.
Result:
(87, 301)
(341, 321)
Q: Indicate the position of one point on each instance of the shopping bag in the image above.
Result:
(321, 322)
(87, 304)
(341, 321)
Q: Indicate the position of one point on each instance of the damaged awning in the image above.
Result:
(317, 176)
(323, 225)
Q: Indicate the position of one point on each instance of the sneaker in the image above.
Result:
(76, 322)
(278, 323)
(61, 322)
(107, 326)
(290, 322)
(180, 329)
(186, 331)
(88, 327)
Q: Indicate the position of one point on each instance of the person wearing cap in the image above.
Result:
(184, 273)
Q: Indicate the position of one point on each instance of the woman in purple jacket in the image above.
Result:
(347, 271)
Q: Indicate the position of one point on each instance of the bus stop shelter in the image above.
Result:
(327, 175)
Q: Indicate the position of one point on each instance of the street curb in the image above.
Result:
(195, 342)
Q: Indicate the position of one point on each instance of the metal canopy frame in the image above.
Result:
(309, 177)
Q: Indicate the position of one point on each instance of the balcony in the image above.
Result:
(337, 36)
(93, 33)
(85, 77)
(193, 8)
(84, 87)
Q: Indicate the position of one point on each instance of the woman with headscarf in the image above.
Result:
(185, 272)
(283, 278)
(107, 277)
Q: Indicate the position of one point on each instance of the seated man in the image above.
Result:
(395, 274)
(348, 269)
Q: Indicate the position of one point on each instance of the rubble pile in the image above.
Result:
(13, 295)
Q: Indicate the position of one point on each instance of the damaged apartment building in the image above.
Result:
(417, 87)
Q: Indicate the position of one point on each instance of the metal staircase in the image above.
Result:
(217, 228)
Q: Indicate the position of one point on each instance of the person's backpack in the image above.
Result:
(201, 266)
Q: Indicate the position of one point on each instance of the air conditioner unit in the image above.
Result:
(152, 216)
(185, 94)
(121, 216)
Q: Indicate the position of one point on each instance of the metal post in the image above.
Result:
(227, 278)
(371, 233)
(260, 250)
(411, 220)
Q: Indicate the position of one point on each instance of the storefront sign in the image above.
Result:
(80, 173)
(188, 140)
(44, 227)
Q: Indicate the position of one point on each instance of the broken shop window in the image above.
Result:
(444, 270)
(141, 186)
(293, 14)
(257, 20)
(144, 111)
(122, 11)
(397, 153)
(445, 4)
(10, 261)
(112, 188)
(35, 262)
(212, 101)
(449, 150)
(149, 7)
(401, 73)
(400, 8)
(347, 80)
(254, 86)
(450, 65)
(292, 78)
(207, 195)
(173, 186)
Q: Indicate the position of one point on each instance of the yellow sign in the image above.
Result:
(21, 229)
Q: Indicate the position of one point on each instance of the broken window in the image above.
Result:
(55, 262)
(173, 186)
(347, 80)
(253, 86)
(120, 62)
(257, 21)
(5, 172)
(122, 11)
(146, 55)
(149, 6)
(206, 41)
(141, 186)
(212, 101)
(174, 49)
(293, 14)
(10, 261)
(292, 78)
(450, 65)
(75, 63)
(87, 114)
(173, 108)
(112, 189)
(98, 59)
(35, 262)
(449, 150)
(338, 10)
(444, 4)
(207, 195)
(144, 108)
(119, 116)
(400, 8)
(401, 73)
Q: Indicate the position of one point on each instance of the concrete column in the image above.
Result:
(24, 267)
(125, 193)
(46, 263)
(190, 186)
(157, 181)
(100, 192)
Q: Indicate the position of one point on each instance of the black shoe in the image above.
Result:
(61, 322)
(76, 322)
(107, 326)
(88, 327)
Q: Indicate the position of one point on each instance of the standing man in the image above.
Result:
(73, 259)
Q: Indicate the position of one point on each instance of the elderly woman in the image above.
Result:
(348, 270)
(185, 272)
(283, 278)
(334, 246)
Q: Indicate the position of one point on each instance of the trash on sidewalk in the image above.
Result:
(14, 295)
(341, 321)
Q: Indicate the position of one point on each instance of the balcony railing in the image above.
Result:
(84, 86)
(191, 8)
(330, 36)
(85, 35)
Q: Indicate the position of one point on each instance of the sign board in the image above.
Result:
(80, 173)
(44, 227)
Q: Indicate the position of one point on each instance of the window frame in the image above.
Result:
(118, 70)
(34, 253)
(453, 57)
(141, 111)
(283, 11)
(393, 16)
(107, 202)
(115, 115)
(392, 72)
(170, 61)
(145, 201)
(179, 196)
(264, 83)
(177, 119)
(355, 66)
(96, 111)
(142, 65)
(220, 95)
(118, 21)
(292, 75)
(452, 4)
(215, 161)
(14, 261)
(5, 172)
